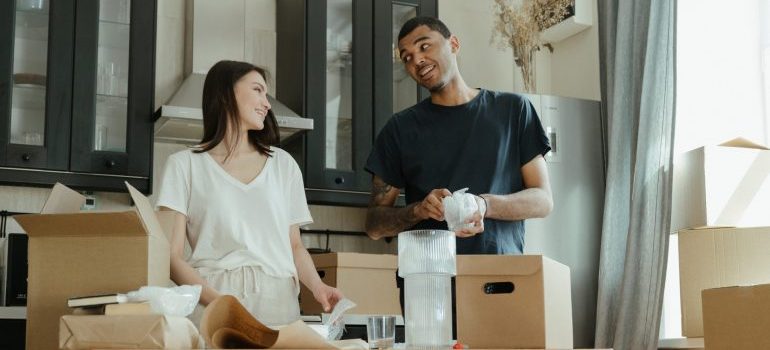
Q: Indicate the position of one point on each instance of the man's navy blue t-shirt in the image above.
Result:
(481, 145)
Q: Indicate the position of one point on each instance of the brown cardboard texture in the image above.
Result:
(726, 185)
(513, 302)
(369, 280)
(88, 253)
(128, 331)
(718, 257)
(737, 317)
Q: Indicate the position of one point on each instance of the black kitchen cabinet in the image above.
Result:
(76, 93)
(337, 63)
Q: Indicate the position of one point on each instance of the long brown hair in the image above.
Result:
(220, 108)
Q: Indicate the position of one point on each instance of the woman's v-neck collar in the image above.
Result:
(232, 179)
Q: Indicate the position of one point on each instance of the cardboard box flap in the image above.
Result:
(82, 224)
(146, 213)
(358, 260)
(742, 290)
(478, 265)
(63, 200)
(743, 143)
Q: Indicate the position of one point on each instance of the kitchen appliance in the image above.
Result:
(14, 286)
(180, 120)
(571, 233)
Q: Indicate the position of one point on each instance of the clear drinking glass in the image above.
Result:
(381, 331)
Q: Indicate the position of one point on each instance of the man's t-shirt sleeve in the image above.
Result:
(385, 158)
(532, 138)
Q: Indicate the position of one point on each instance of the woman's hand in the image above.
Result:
(327, 296)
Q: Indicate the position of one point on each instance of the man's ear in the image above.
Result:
(454, 43)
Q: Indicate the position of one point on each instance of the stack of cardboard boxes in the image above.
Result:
(75, 253)
(514, 302)
(723, 225)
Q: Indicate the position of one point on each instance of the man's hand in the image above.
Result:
(478, 226)
(327, 296)
(431, 207)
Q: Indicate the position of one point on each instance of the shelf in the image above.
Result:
(114, 35)
(119, 23)
(27, 96)
(31, 25)
(13, 312)
(580, 21)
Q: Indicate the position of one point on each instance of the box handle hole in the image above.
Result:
(499, 288)
(321, 273)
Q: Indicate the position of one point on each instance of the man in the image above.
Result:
(491, 142)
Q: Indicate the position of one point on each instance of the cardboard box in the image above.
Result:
(718, 257)
(737, 317)
(128, 331)
(369, 280)
(723, 185)
(513, 302)
(87, 253)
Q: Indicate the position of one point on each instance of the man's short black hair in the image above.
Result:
(433, 23)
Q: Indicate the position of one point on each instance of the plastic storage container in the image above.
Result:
(427, 261)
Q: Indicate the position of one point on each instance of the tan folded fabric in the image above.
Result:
(226, 324)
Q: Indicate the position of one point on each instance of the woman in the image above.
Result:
(240, 201)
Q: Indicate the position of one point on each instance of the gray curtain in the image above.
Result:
(636, 40)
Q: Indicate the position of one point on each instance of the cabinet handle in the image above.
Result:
(109, 163)
(340, 180)
(26, 157)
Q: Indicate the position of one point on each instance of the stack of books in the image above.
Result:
(107, 304)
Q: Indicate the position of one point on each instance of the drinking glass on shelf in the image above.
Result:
(101, 139)
(33, 138)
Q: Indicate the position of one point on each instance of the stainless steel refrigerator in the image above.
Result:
(571, 234)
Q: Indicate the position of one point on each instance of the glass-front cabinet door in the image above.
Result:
(36, 39)
(76, 92)
(112, 103)
(350, 85)
(339, 92)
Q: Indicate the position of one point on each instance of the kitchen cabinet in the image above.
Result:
(337, 63)
(76, 93)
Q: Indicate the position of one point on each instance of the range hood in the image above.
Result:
(181, 119)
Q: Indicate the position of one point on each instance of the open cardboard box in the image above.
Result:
(726, 185)
(75, 253)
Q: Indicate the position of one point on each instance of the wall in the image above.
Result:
(572, 70)
(169, 49)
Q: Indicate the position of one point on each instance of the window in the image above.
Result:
(722, 92)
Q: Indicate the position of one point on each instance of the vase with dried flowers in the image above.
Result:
(518, 24)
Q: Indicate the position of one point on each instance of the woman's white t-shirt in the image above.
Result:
(232, 224)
